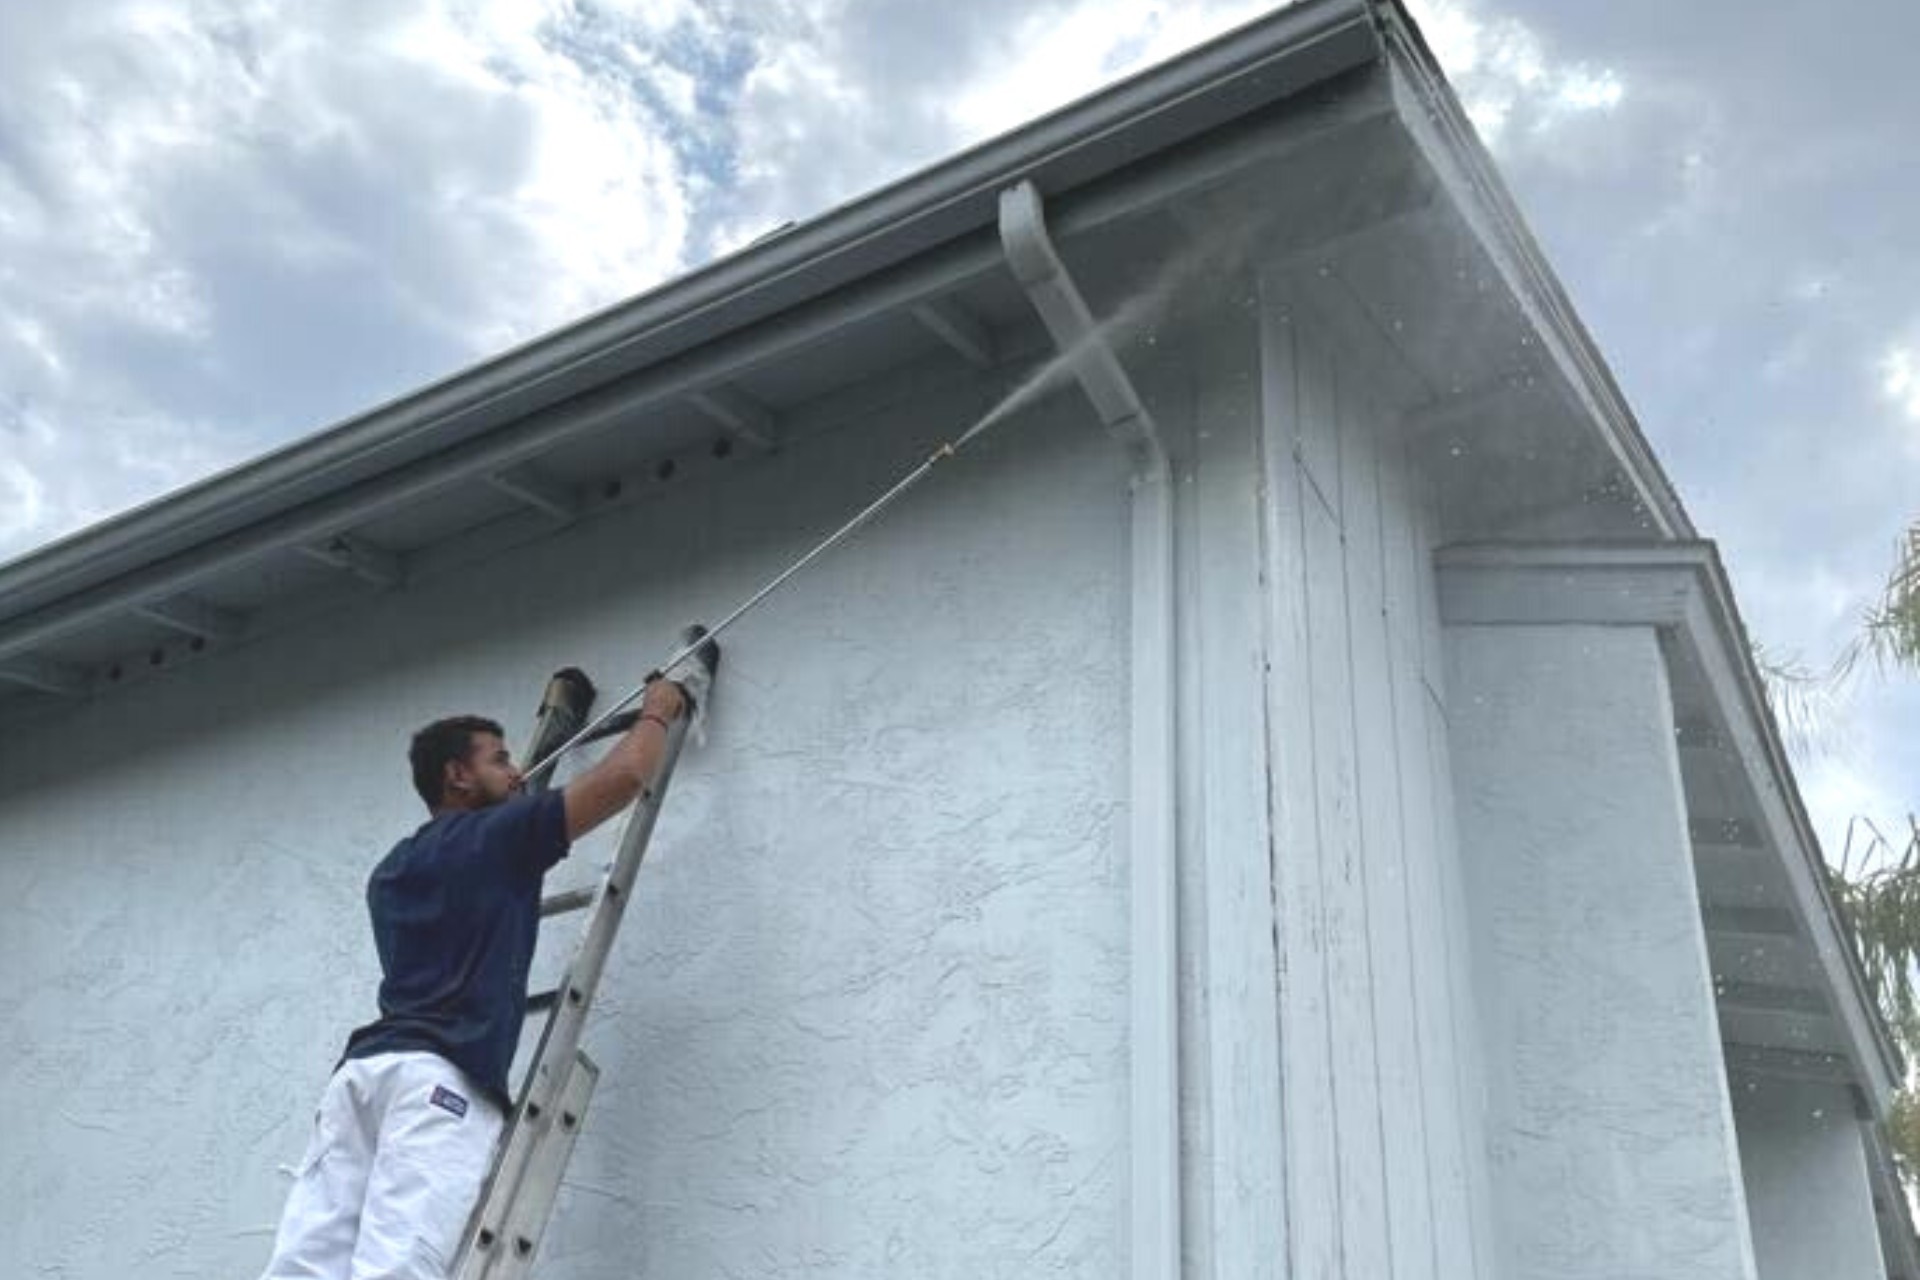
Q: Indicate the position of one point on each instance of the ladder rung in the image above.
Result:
(569, 900)
(541, 1001)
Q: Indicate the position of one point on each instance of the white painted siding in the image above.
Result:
(868, 1013)
(1230, 1032)
(1380, 1087)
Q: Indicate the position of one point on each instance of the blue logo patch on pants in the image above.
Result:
(447, 1100)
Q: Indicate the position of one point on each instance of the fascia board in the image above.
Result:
(1133, 121)
(1681, 589)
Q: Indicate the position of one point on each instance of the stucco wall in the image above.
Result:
(868, 1013)
(1610, 1131)
(1806, 1178)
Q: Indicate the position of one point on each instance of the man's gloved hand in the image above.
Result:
(694, 676)
(684, 687)
(664, 699)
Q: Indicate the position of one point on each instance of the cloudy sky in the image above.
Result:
(226, 223)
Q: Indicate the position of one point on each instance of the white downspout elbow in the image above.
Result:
(1031, 256)
(1154, 1011)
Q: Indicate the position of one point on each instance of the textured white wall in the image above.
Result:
(1806, 1177)
(868, 1013)
(1611, 1133)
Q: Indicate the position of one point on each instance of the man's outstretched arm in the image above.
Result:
(613, 782)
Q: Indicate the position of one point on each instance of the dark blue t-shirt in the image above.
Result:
(456, 909)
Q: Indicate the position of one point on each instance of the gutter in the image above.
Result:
(1154, 1074)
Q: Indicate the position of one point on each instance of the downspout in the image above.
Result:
(1154, 1079)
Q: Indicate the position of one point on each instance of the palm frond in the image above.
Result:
(1805, 703)
(1878, 892)
(1892, 631)
(1877, 888)
(1903, 1127)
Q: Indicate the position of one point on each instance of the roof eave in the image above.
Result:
(1439, 126)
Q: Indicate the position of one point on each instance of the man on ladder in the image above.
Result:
(407, 1126)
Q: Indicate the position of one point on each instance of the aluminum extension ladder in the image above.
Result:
(504, 1233)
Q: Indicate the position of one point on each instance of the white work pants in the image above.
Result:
(400, 1147)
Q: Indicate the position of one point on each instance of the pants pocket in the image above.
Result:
(319, 1147)
(430, 1256)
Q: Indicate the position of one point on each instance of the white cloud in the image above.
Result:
(1838, 792)
(1900, 379)
(847, 94)
(1505, 77)
(597, 208)
(1584, 90)
(197, 198)
(1811, 286)
(22, 501)
(1053, 55)
(54, 479)
(104, 133)
(37, 343)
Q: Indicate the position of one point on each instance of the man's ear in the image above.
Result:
(454, 777)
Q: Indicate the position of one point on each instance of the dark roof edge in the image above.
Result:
(1456, 138)
(1228, 77)
(1890, 1195)
(1753, 691)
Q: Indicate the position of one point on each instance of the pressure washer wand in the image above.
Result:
(839, 535)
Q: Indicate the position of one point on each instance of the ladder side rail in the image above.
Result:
(565, 703)
(531, 1211)
(581, 981)
(560, 1041)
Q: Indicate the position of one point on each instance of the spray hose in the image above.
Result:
(599, 725)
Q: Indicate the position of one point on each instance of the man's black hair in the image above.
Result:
(440, 744)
